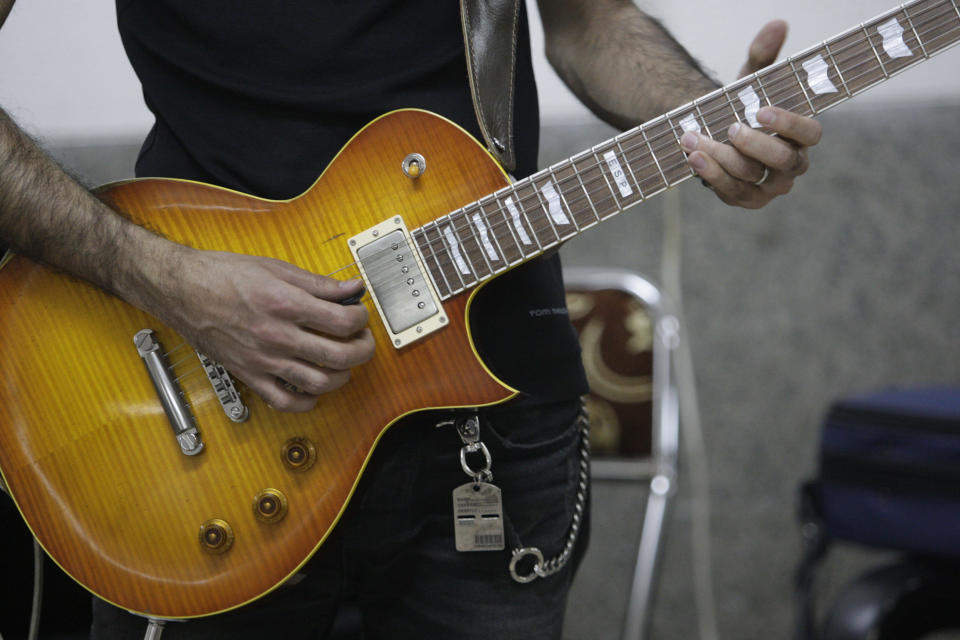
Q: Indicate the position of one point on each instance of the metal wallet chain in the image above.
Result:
(541, 568)
(469, 433)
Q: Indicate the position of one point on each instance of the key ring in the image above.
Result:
(536, 572)
(484, 474)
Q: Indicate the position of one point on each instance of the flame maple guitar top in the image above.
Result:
(88, 452)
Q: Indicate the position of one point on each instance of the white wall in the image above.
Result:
(63, 73)
(719, 33)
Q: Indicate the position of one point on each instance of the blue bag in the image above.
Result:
(888, 478)
(890, 471)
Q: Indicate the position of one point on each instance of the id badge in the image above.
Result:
(478, 517)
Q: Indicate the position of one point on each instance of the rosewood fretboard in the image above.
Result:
(519, 222)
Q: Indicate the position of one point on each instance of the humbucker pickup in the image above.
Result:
(404, 297)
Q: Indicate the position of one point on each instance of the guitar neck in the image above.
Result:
(471, 245)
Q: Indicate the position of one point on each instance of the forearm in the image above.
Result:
(619, 61)
(47, 215)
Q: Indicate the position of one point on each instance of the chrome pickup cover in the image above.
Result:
(406, 300)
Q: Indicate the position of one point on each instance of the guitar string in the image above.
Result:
(867, 57)
(673, 132)
(864, 57)
(861, 56)
(188, 373)
(173, 366)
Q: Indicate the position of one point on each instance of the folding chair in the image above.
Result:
(628, 342)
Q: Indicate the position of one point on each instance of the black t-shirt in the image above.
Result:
(259, 97)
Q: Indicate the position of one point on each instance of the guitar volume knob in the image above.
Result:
(216, 536)
(270, 506)
(298, 454)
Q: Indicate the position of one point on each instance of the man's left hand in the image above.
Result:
(754, 167)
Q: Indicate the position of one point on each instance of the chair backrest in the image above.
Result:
(627, 340)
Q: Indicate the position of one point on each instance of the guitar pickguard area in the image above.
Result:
(406, 300)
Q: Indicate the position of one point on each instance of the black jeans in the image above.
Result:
(393, 559)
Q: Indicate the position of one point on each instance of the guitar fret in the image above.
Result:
(606, 181)
(916, 33)
(720, 114)
(749, 102)
(666, 183)
(877, 55)
(529, 202)
(456, 263)
(556, 204)
(836, 67)
(489, 240)
(481, 247)
(568, 185)
(444, 263)
(703, 120)
(520, 222)
(787, 80)
(441, 286)
(558, 185)
(586, 193)
(623, 155)
(670, 156)
(733, 107)
(683, 162)
(507, 240)
(516, 229)
(822, 80)
(470, 248)
(545, 213)
(489, 246)
(763, 91)
(441, 264)
(637, 156)
(594, 182)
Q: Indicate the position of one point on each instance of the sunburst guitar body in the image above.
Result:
(89, 453)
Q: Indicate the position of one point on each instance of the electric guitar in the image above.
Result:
(183, 498)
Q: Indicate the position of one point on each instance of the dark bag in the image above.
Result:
(889, 478)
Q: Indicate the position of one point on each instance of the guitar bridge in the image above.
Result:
(406, 300)
(171, 398)
(226, 391)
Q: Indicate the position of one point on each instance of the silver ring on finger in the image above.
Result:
(763, 178)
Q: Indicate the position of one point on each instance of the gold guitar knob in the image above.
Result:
(298, 454)
(216, 536)
(270, 505)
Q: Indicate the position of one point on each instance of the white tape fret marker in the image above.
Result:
(455, 250)
(618, 175)
(553, 203)
(818, 76)
(515, 216)
(482, 228)
(751, 104)
(893, 42)
(689, 123)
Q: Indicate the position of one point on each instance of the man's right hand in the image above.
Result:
(281, 330)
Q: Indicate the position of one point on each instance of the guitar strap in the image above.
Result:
(490, 40)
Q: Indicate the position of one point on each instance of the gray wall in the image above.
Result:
(850, 284)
